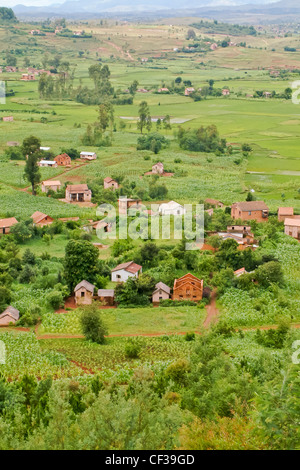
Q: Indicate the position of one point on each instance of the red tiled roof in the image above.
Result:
(4, 223)
(130, 267)
(38, 217)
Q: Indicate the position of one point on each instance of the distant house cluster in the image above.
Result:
(291, 221)
(187, 288)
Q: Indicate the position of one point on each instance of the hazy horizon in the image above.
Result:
(42, 3)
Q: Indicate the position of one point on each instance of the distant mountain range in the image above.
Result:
(284, 10)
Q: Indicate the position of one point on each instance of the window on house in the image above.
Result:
(249, 213)
(82, 294)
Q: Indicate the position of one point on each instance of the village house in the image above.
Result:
(240, 272)
(78, 193)
(158, 168)
(163, 90)
(144, 59)
(51, 185)
(125, 270)
(63, 160)
(292, 227)
(88, 156)
(7, 118)
(45, 149)
(84, 293)
(41, 219)
(11, 69)
(110, 183)
(267, 94)
(6, 224)
(250, 210)
(284, 212)
(47, 163)
(107, 296)
(171, 208)
(189, 91)
(28, 77)
(100, 225)
(142, 90)
(126, 203)
(214, 203)
(188, 287)
(10, 315)
(226, 92)
(162, 292)
(214, 47)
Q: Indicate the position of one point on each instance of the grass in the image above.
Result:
(136, 321)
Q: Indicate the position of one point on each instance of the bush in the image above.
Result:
(190, 337)
(55, 299)
(132, 349)
(92, 325)
(178, 370)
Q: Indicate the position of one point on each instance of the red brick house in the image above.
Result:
(6, 224)
(292, 227)
(110, 183)
(78, 193)
(125, 204)
(284, 212)
(188, 287)
(7, 118)
(63, 160)
(41, 219)
(250, 210)
(214, 202)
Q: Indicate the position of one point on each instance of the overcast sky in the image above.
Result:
(36, 3)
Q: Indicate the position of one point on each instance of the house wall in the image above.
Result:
(112, 184)
(160, 295)
(86, 300)
(6, 320)
(87, 196)
(236, 213)
(45, 189)
(177, 211)
(292, 231)
(188, 292)
(109, 301)
(124, 275)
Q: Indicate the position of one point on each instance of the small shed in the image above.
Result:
(162, 292)
(84, 292)
(107, 296)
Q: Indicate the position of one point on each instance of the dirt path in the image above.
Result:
(212, 311)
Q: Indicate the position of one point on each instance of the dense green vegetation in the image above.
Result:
(74, 379)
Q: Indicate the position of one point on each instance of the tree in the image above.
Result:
(144, 117)
(133, 87)
(81, 262)
(5, 297)
(31, 150)
(92, 324)
(269, 273)
(191, 34)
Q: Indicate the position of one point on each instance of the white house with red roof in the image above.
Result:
(124, 271)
